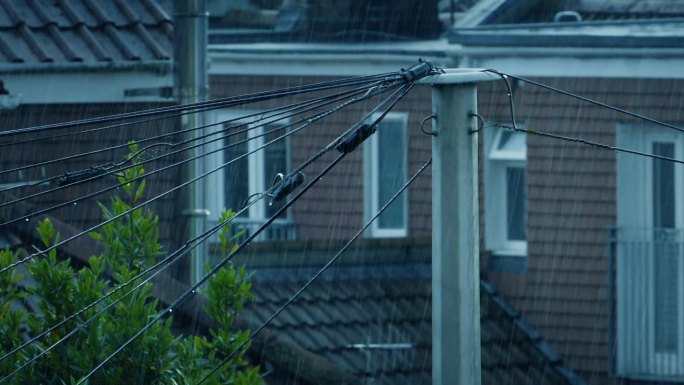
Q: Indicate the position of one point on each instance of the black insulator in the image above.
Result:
(417, 71)
(80, 175)
(286, 186)
(352, 140)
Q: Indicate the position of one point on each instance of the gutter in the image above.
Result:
(161, 67)
(531, 51)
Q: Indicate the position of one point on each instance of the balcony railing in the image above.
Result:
(279, 230)
(646, 276)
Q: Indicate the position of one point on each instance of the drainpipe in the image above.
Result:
(190, 65)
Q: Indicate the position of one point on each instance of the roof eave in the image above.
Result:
(159, 67)
(512, 39)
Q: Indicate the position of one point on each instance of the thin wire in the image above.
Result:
(315, 276)
(306, 122)
(573, 139)
(214, 270)
(585, 99)
(109, 220)
(588, 143)
(164, 263)
(235, 100)
(240, 247)
(393, 99)
(291, 107)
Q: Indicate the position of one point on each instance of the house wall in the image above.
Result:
(571, 206)
(85, 214)
(333, 209)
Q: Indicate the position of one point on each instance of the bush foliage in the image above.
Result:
(131, 244)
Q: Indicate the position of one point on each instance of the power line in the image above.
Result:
(164, 263)
(223, 102)
(588, 143)
(305, 121)
(315, 276)
(213, 271)
(515, 127)
(95, 227)
(291, 109)
(584, 99)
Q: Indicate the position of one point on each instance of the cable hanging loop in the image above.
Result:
(422, 125)
(285, 186)
(480, 122)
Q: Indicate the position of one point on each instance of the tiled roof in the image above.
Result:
(379, 329)
(84, 31)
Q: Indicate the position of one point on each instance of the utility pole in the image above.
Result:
(455, 228)
(190, 61)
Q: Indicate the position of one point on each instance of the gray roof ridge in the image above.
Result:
(532, 334)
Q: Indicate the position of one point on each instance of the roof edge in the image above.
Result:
(160, 66)
(532, 334)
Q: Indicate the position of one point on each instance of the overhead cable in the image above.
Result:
(213, 271)
(203, 175)
(223, 102)
(584, 99)
(304, 122)
(292, 110)
(315, 276)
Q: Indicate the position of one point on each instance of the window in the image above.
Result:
(649, 265)
(505, 191)
(385, 164)
(248, 175)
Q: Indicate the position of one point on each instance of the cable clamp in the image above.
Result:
(418, 71)
(285, 186)
(480, 122)
(349, 142)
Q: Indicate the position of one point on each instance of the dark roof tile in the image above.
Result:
(84, 31)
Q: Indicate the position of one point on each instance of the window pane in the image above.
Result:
(275, 161)
(663, 187)
(666, 251)
(516, 203)
(391, 173)
(236, 173)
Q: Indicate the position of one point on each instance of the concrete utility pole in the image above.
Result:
(190, 56)
(455, 229)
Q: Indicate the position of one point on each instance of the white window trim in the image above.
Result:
(495, 165)
(371, 181)
(215, 198)
(634, 210)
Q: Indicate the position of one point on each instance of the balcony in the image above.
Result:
(279, 230)
(646, 269)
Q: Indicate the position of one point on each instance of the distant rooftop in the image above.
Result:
(322, 20)
(572, 23)
(592, 10)
(85, 31)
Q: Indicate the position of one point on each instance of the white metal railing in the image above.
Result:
(647, 303)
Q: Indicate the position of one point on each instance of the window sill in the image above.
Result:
(507, 261)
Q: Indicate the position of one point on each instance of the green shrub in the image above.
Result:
(131, 244)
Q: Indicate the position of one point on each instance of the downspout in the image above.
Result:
(190, 65)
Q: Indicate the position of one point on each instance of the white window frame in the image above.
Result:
(636, 355)
(215, 196)
(371, 203)
(496, 218)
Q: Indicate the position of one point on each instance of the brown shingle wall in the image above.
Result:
(571, 191)
(334, 208)
(85, 214)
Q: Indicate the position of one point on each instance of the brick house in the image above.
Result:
(548, 246)
(599, 269)
(567, 229)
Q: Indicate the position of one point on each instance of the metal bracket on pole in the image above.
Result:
(455, 228)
